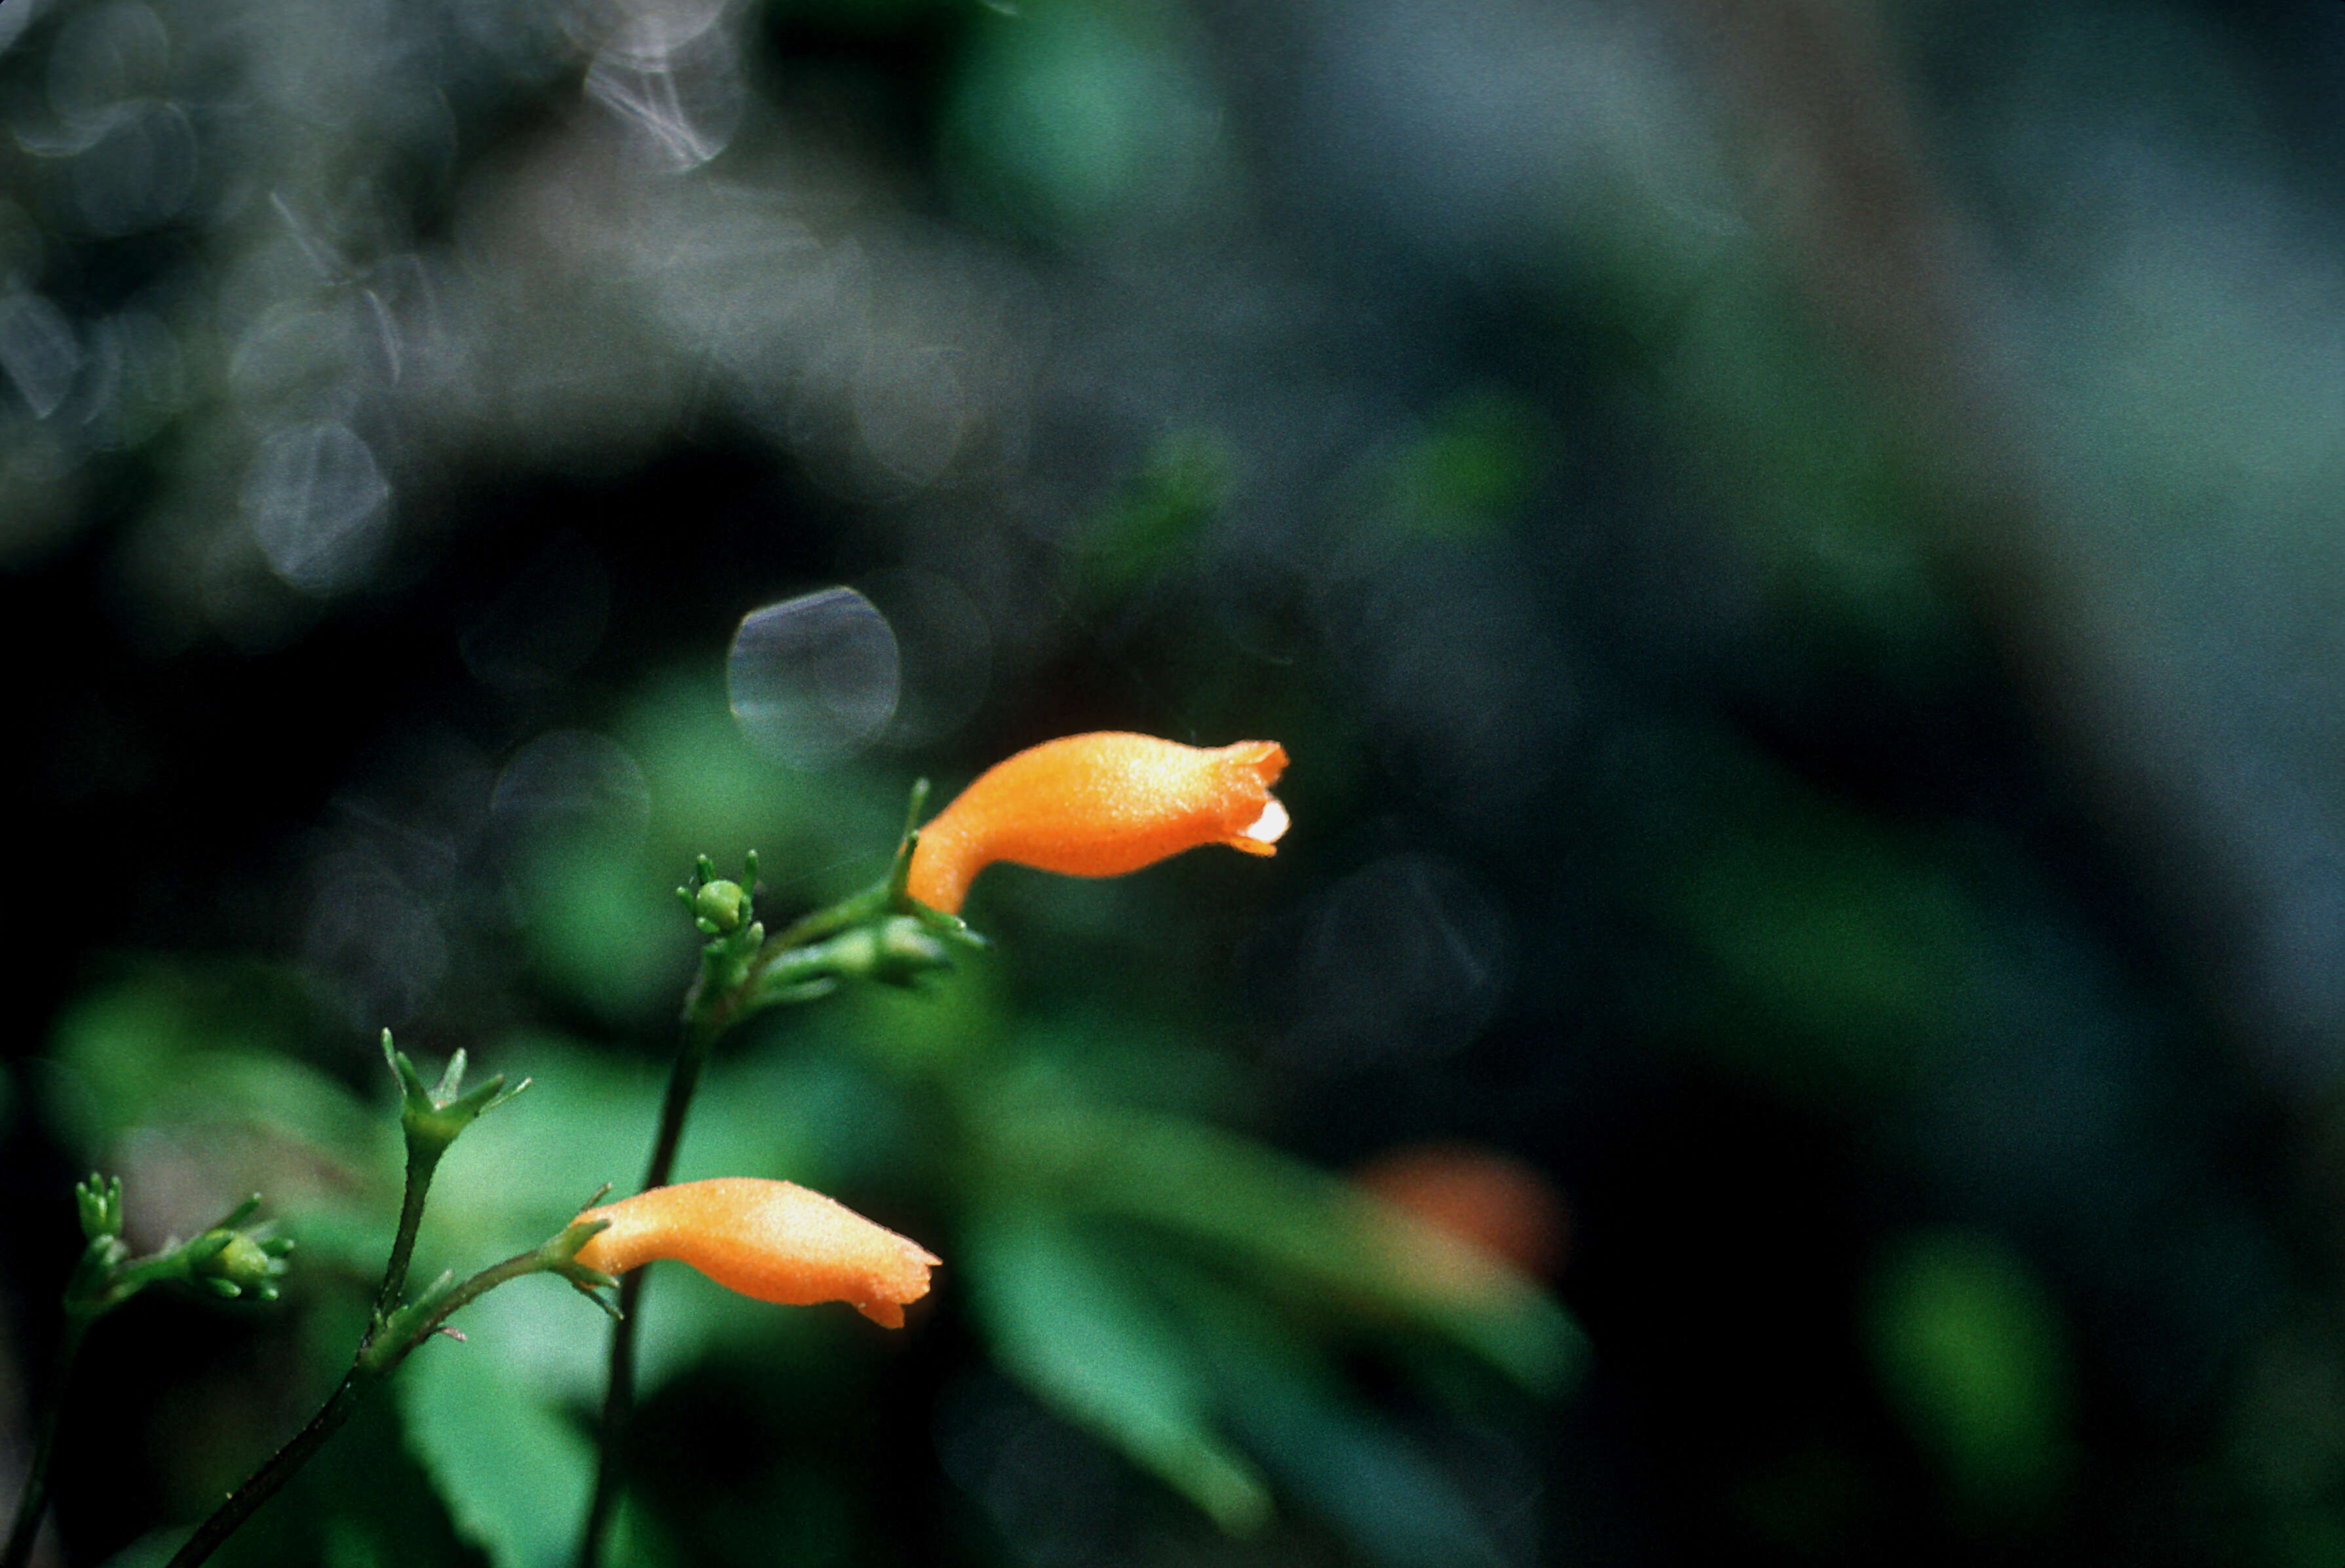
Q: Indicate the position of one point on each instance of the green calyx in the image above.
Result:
(720, 907)
(433, 1117)
(561, 1256)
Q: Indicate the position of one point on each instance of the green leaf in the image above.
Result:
(184, 1043)
(1319, 1234)
(1354, 1468)
(1971, 1351)
(511, 1467)
(1066, 1322)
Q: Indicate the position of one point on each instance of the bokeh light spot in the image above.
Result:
(1405, 960)
(139, 173)
(683, 101)
(815, 678)
(567, 785)
(40, 350)
(318, 506)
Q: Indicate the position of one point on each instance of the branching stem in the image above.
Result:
(389, 1343)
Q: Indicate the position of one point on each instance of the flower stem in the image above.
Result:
(34, 1501)
(701, 1028)
(393, 1333)
(805, 961)
(708, 1012)
(422, 1162)
(377, 1358)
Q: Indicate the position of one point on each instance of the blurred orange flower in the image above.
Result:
(1492, 1202)
(1098, 806)
(773, 1240)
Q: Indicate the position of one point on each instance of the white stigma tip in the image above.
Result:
(1266, 828)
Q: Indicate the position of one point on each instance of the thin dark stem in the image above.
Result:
(270, 1480)
(374, 1362)
(421, 1162)
(792, 967)
(34, 1502)
(700, 1031)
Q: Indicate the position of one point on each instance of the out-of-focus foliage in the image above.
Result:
(1970, 1352)
(1790, 545)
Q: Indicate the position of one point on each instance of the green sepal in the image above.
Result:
(899, 871)
(560, 1256)
(432, 1118)
(900, 877)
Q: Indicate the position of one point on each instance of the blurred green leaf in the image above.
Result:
(1842, 946)
(1971, 1351)
(186, 1076)
(1066, 1322)
(1268, 1211)
(1355, 1468)
(183, 1039)
(597, 935)
(1471, 469)
(1177, 491)
(1801, 461)
(512, 1468)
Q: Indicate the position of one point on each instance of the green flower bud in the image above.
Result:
(239, 1263)
(722, 905)
(100, 1202)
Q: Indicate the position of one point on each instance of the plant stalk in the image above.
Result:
(794, 966)
(701, 1028)
(421, 1166)
(34, 1501)
(375, 1361)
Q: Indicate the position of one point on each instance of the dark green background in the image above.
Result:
(1793, 545)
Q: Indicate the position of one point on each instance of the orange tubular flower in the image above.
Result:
(1098, 806)
(773, 1240)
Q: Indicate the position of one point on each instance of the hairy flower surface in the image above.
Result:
(773, 1240)
(1098, 806)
